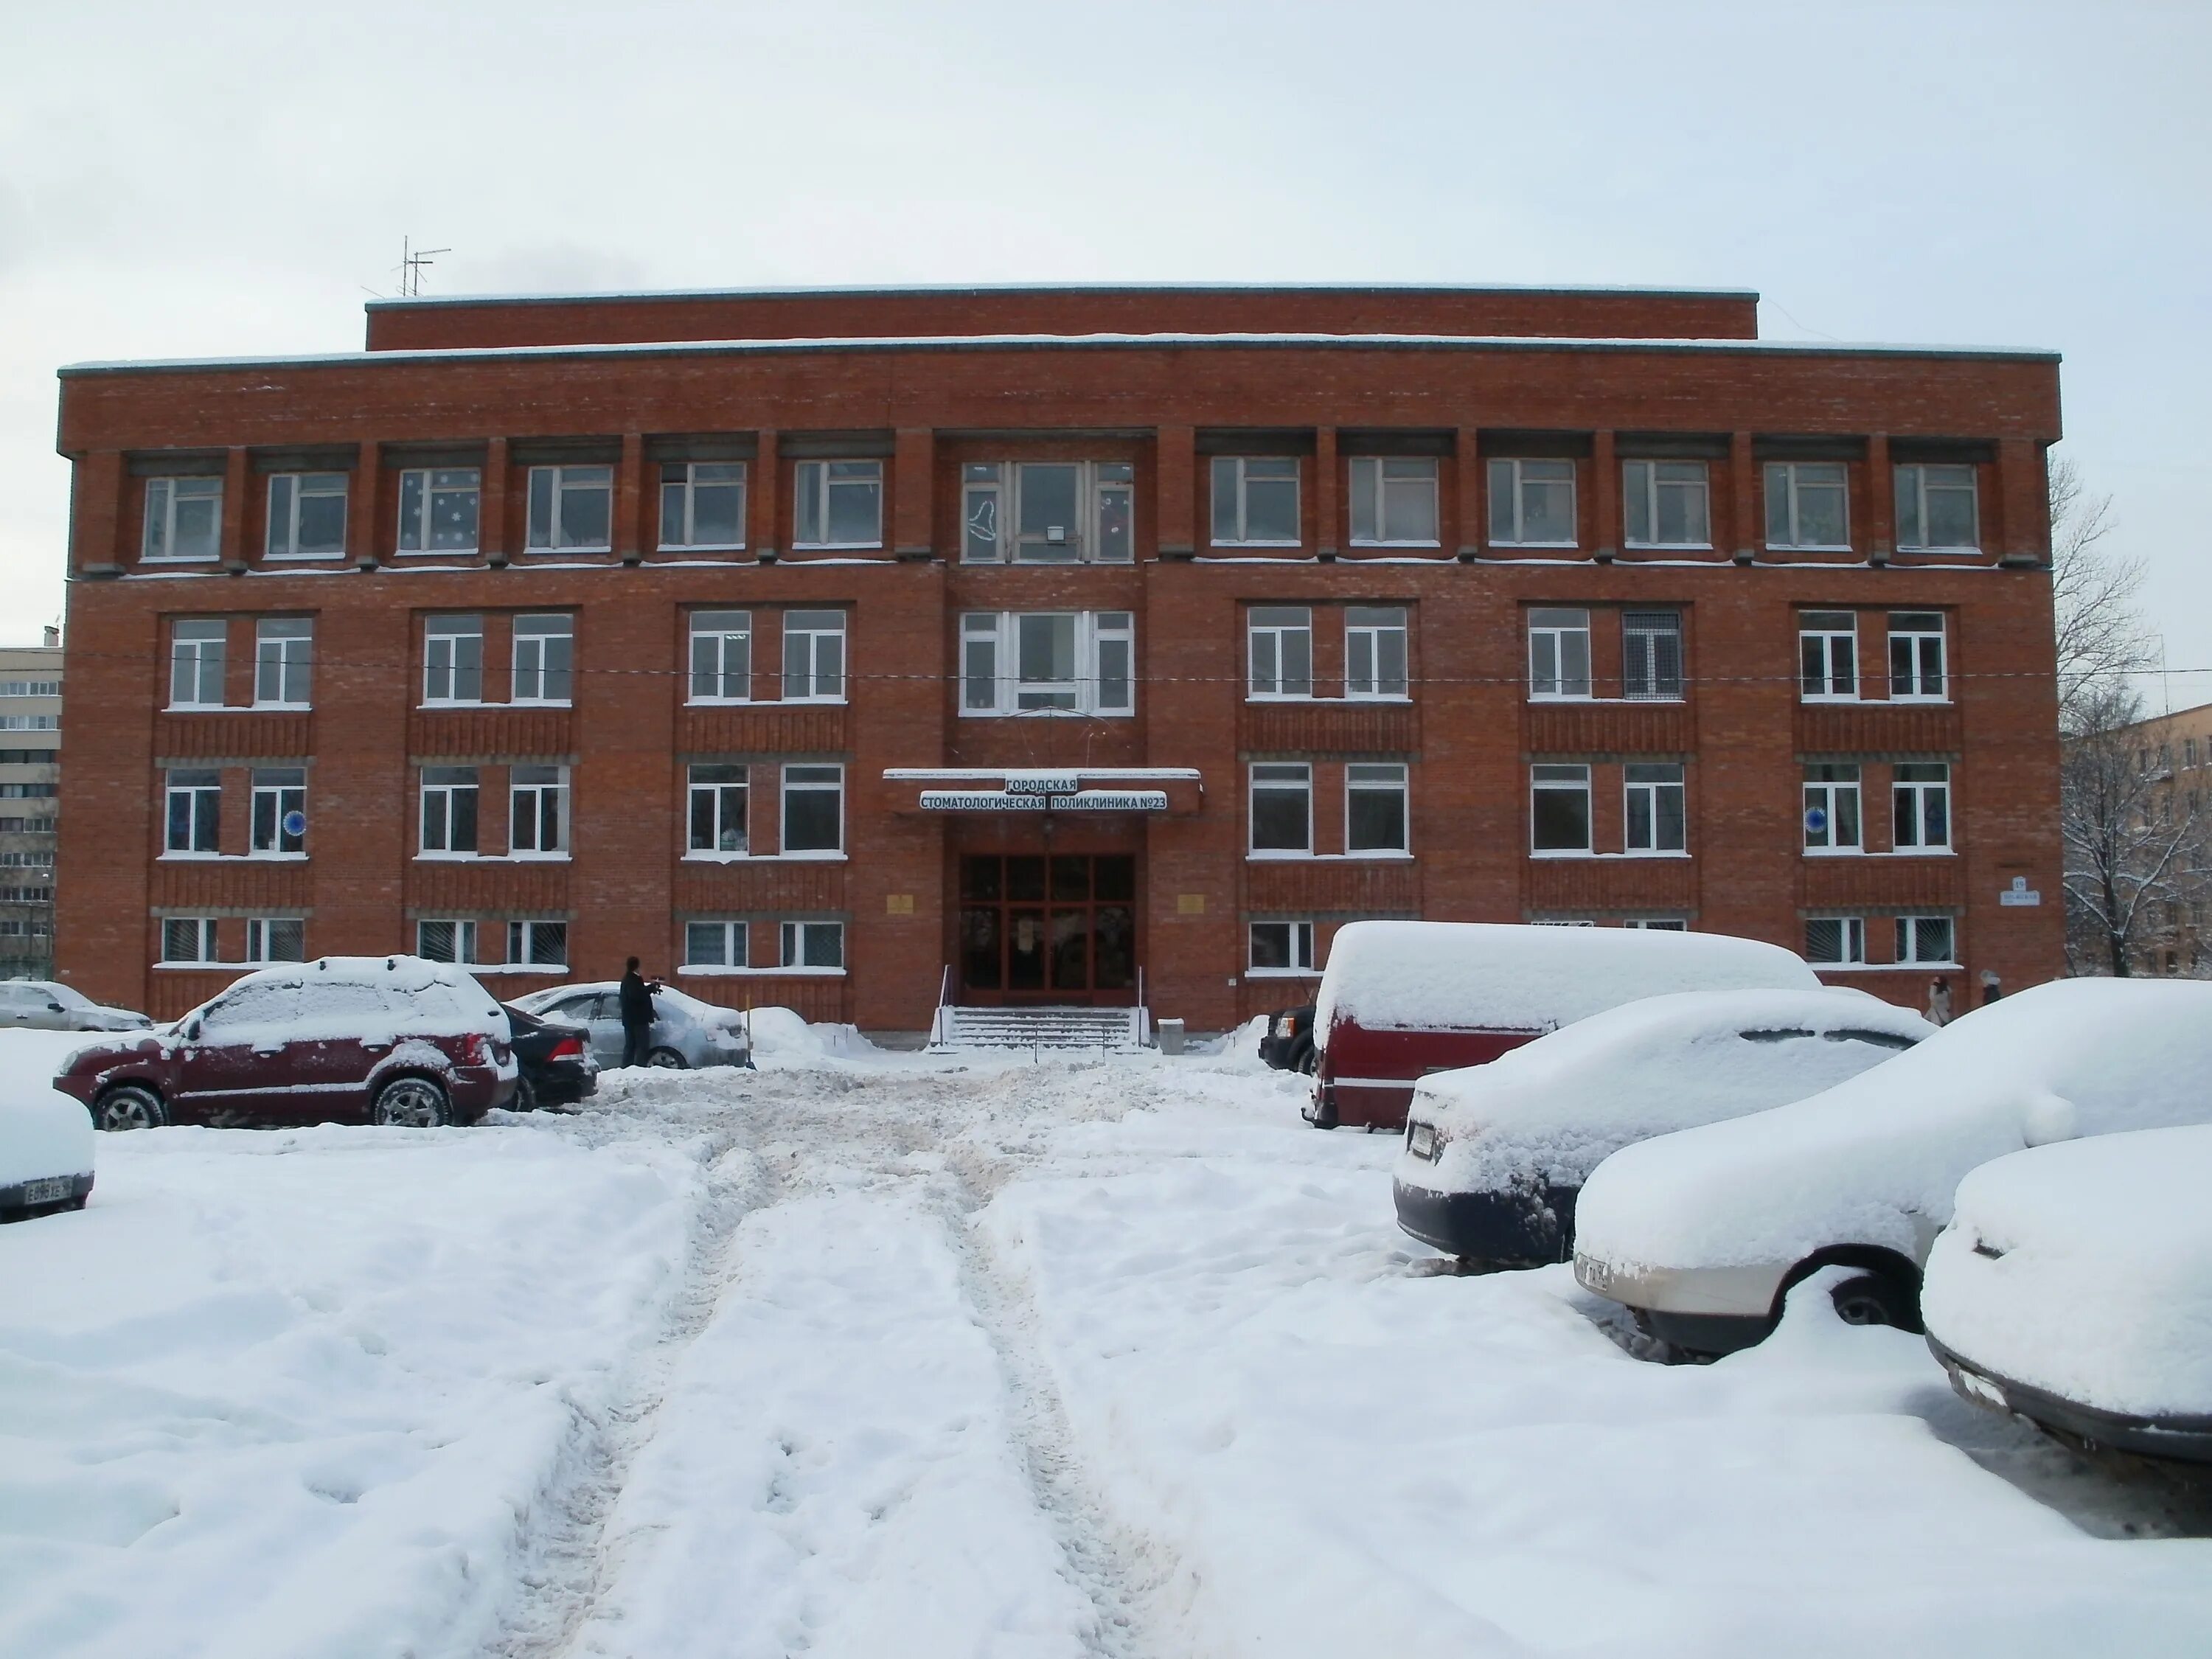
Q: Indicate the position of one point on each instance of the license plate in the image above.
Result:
(1976, 1388)
(47, 1192)
(1422, 1142)
(1594, 1274)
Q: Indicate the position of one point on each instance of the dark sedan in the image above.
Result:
(1287, 1045)
(555, 1061)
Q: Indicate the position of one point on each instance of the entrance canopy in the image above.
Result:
(1173, 789)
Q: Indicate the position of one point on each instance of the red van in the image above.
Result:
(1400, 1000)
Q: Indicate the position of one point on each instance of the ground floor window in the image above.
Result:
(188, 939)
(1280, 947)
(446, 941)
(1927, 940)
(1560, 809)
(1835, 941)
(538, 944)
(715, 944)
(1658, 924)
(276, 938)
(813, 944)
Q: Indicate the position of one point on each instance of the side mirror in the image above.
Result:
(56, 1008)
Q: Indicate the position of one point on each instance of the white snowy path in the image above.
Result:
(1005, 1361)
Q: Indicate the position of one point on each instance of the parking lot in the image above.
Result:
(870, 1354)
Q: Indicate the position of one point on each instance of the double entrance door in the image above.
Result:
(1047, 928)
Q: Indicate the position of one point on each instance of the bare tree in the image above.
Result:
(2134, 845)
(2102, 638)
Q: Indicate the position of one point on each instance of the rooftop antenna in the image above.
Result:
(410, 267)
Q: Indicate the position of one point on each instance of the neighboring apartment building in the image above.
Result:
(30, 790)
(828, 648)
(2174, 752)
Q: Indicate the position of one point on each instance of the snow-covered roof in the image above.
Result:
(841, 291)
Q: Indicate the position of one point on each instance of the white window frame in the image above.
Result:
(1298, 949)
(164, 497)
(1637, 628)
(199, 647)
(1851, 941)
(543, 649)
(719, 636)
(1375, 481)
(418, 517)
(1911, 799)
(538, 791)
(258, 931)
(288, 493)
(1276, 625)
(991, 685)
(523, 933)
(814, 484)
(191, 781)
(1509, 481)
(453, 661)
(282, 790)
(1917, 631)
(1554, 634)
(1367, 631)
(1564, 778)
(1787, 483)
(294, 641)
(734, 948)
(1658, 924)
(1915, 480)
(1645, 483)
(1232, 477)
(680, 484)
(561, 480)
(463, 943)
(814, 627)
(1652, 791)
(1819, 625)
(203, 940)
(991, 496)
(697, 783)
(1907, 941)
(444, 790)
(1380, 778)
(794, 943)
(1822, 795)
(796, 779)
(1282, 776)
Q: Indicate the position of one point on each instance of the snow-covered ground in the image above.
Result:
(869, 1354)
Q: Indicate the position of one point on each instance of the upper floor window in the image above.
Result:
(283, 657)
(438, 507)
(702, 504)
(1375, 818)
(841, 504)
(1560, 809)
(1282, 807)
(1531, 503)
(196, 663)
(184, 518)
(813, 809)
(544, 658)
(1936, 508)
(717, 809)
(721, 656)
(1374, 651)
(1045, 662)
(449, 810)
(1651, 656)
(1920, 799)
(1558, 653)
(1808, 505)
(814, 656)
(1666, 503)
(538, 797)
(194, 803)
(572, 509)
(1255, 501)
(307, 515)
(1916, 657)
(1394, 500)
(1047, 512)
(280, 810)
(1279, 641)
(1657, 807)
(1832, 808)
(1828, 655)
(452, 660)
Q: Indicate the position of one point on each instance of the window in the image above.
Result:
(1375, 811)
(449, 810)
(1926, 940)
(307, 516)
(1831, 809)
(1935, 508)
(30, 722)
(184, 518)
(718, 809)
(1255, 501)
(1560, 809)
(30, 688)
(812, 945)
(538, 797)
(196, 664)
(452, 660)
(715, 944)
(1808, 505)
(813, 809)
(538, 944)
(1282, 807)
(1280, 947)
(571, 509)
(1045, 662)
(1657, 807)
(188, 939)
(1828, 655)
(1657, 924)
(1393, 502)
(1061, 511)
(544, 658)
(1279, 638)
(1651, 656)
(1375, 651)
(1920, 803)
(1916, 656)
(721, 656)
(2188, 751)
(1531, 503)
(275, 939)
(280, 810)
(25, 791)
(1558, 653)
(438, 509)
(841, 504)
(284, 651)
(814, 656)
(1835, 941)
(1666, 503)
(195, 811)
(702, 504)
(446, 941)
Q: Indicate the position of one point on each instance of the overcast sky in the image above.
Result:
(228, 180)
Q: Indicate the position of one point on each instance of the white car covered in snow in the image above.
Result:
(686, 1032)
(2073, 1287)
(45, 1150)
(1701, 1232)
(1494, 1156)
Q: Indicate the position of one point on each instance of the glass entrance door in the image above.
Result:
(1039, 928)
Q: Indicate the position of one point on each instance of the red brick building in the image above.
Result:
(821, 647)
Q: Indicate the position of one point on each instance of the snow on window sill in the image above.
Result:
(1048, 713)
(231, 858)
(718, 702)
(435, 552)
(700, 547)
(280, 707)
(1807, 547)
(1282, 973)
(195, 708)
(818, 702)
(1923, 703)
(275, 857)
(1888, 966)
(603, 547)
(1955, 551)
(539, 703)
(1560, 696)
(1835, 851)
(302, 558)
(1309, 701)
(180, 558)
(449, 703)
(1519, 547)
(1277, 545)
(1268, 855)
(233, 967)
(1361, 542)
(481, 968)
(689, 970)
(434, 856)
(523, 858)
(1634, 857)
(1667, 547)
(1917, 853)
(1831, 697)
(876, 546)
(703, 855)
(799, 858)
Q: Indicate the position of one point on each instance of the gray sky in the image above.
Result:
(228, 180)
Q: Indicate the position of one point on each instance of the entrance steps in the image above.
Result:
(1122, 1029)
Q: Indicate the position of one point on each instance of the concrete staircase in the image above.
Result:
(1041, 1028)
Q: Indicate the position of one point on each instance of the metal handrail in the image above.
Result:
(936, 1022)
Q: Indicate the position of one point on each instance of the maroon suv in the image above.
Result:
(392, 1040)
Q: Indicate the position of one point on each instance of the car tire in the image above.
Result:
(667, 1059)
(411, 1103)
(526, 1096)
(1878, 1298)
(129, 1106)
(1303, 1058)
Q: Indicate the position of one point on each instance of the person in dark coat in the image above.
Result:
(638, 1014)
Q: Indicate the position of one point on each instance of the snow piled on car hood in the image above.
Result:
(1876, 1160)
(2098, 1285)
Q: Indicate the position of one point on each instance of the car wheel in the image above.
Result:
(667, 1059)
(1876, 1298)
(526, 1096)
(411, 1103)
(129, 1106)
(1302, 1059)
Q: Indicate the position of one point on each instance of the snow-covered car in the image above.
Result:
(396, 1040)
(45, 1150)
(1700, 1232)
(2074, 1287)
(686, 1032)
(1494, 1156)
(43, 1005)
